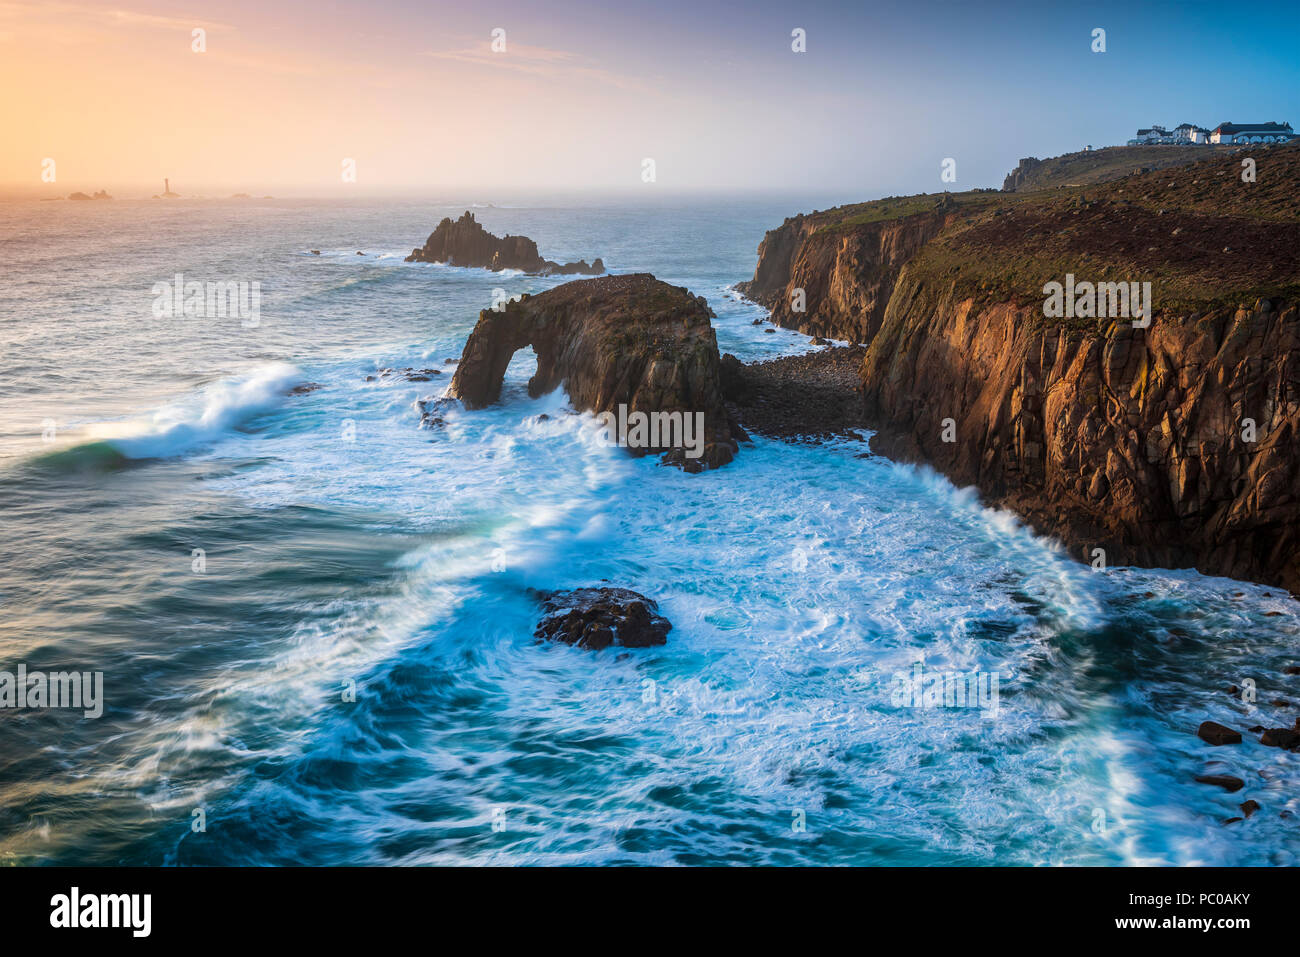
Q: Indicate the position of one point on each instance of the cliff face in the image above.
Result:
(846, 274)
(1022, 174)
(466, 243)
(629, 341)
(1133, 441)
(1169, 446)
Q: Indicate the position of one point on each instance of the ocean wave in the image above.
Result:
(476, 272)
(218, 409)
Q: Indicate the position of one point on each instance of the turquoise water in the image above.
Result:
(347, 548)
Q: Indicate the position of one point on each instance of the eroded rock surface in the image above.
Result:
(1173, 445)
(827, 279)
(597, 618)
(618, 344)
(464, 242)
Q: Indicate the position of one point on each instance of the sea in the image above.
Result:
(313, 615)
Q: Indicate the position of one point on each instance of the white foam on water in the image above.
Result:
(800, 580)
(218, 410)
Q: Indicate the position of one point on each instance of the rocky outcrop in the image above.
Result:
(832, 279)
(630, 346)
(1092, 167)
(1230, 783)
(1172, 446)
(598, 618)
(1021, 175)
(813, 395)
(465, 242)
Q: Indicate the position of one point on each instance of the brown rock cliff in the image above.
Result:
(846, 274)
(1135, 441)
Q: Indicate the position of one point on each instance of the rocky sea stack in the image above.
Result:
(619, 345)
(465, 242)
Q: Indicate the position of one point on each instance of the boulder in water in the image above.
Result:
(1211, 732)
(597, 618)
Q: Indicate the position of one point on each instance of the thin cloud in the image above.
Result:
(88, 15)
(131, 18)
(535, 61)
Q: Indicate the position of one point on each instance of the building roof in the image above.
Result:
(1253, 128)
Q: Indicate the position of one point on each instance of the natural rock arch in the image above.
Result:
(620, 344)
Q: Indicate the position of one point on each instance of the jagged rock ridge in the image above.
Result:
(464, 242)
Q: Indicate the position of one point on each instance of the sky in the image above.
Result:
(284, 93)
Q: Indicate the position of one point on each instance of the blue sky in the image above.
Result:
(710, 90)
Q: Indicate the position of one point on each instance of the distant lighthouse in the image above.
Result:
(167, 189)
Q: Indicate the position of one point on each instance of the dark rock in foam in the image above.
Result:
(1211, 732)
(597, 618)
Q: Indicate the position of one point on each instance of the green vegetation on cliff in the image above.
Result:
(1090, 167)
(1198, 232)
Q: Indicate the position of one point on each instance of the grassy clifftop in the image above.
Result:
(1198, 233)
(1090, 167)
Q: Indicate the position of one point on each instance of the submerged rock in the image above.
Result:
(600, 617)
(1225, 781)
(465, 242)
(433, 412)
(407, 375)
(1212, 732)
(1281, 738)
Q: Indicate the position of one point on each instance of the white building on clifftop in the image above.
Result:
(1252, 133)
(1186, 134)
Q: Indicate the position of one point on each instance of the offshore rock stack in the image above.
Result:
(464, 242)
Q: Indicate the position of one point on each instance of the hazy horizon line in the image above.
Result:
(476, 195)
